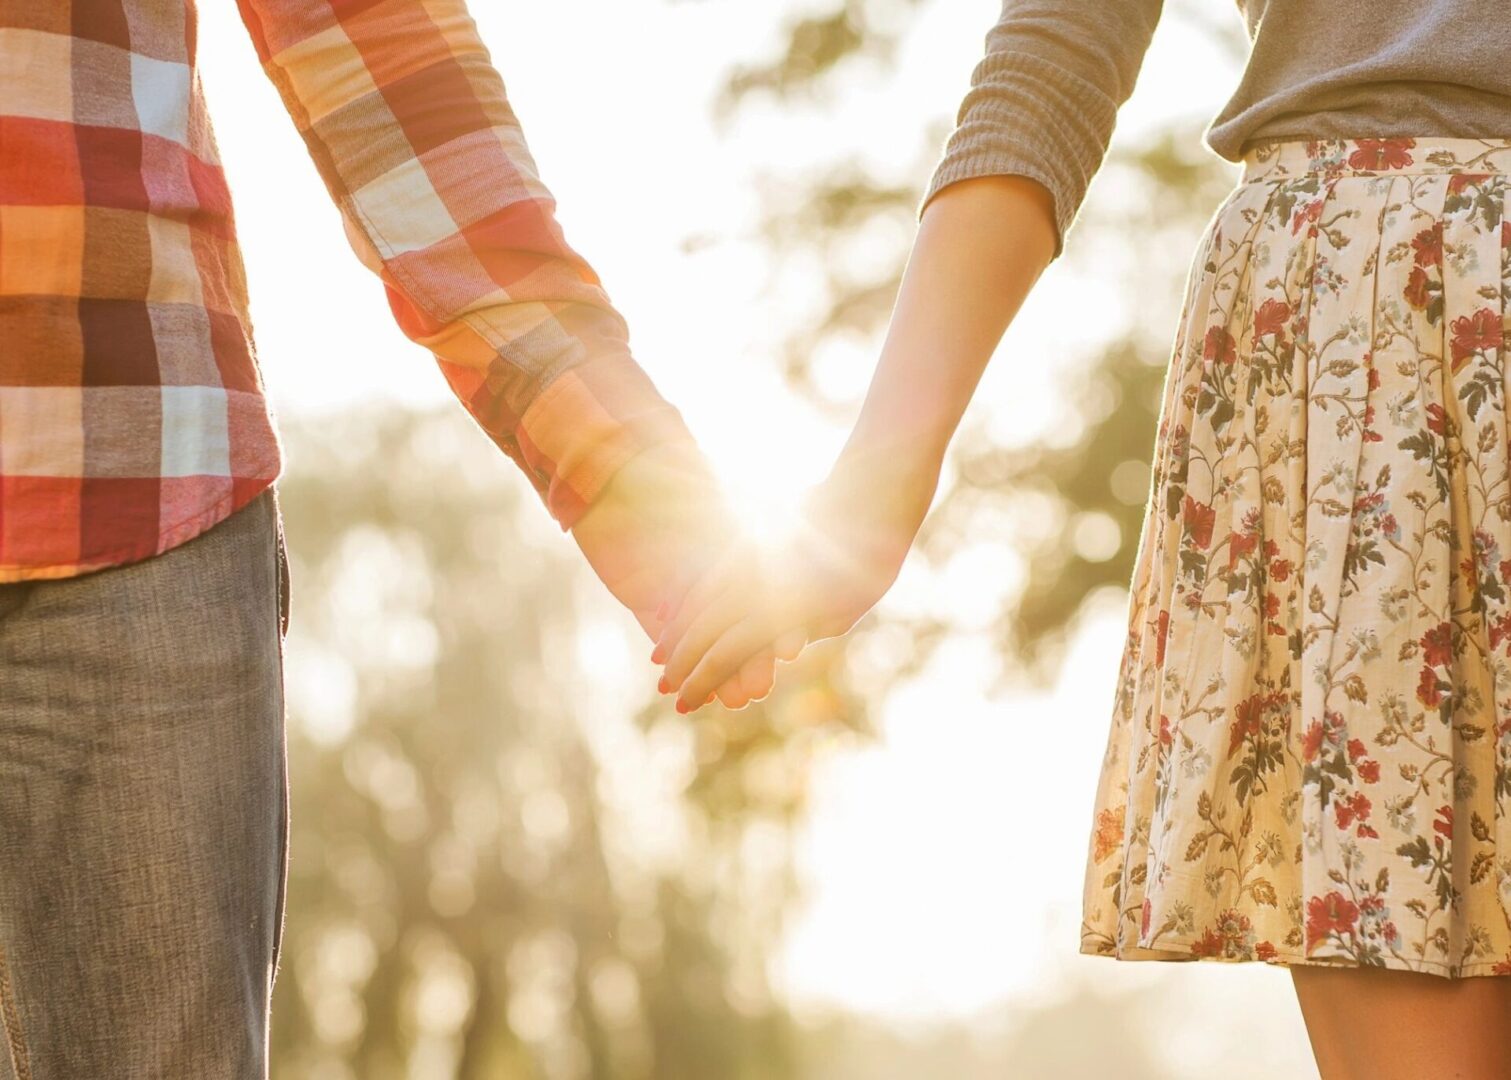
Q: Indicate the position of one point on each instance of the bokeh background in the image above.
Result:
(510, 858)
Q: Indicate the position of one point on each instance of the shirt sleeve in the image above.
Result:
(408, 123)
(1044, 100)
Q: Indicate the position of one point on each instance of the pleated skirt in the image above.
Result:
(1308, 756)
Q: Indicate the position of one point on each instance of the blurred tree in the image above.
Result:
(507, 862)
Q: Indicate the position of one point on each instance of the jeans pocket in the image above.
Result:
(283, 575)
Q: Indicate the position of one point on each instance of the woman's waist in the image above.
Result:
(1301, 155)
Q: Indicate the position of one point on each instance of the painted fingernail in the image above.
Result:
(710, 699)
(682, 707)
(663, 686)
(657, 655)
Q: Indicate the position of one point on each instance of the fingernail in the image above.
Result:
(656, 655)
(710, 699)
(682, 707)
(663, 686)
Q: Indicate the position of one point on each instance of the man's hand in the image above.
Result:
(657, 527)
(858, 528)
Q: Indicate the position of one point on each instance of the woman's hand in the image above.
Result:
(857, 528)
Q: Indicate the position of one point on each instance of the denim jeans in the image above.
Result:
(144, 811)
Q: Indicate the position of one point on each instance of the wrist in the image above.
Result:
(888, 481)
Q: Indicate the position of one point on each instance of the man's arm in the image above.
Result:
(408, 123)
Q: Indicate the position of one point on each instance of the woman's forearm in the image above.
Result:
(981, 246)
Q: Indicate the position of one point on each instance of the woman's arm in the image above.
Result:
(1029, 136)
(981, 246)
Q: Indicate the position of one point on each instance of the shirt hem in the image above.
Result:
(168, 539)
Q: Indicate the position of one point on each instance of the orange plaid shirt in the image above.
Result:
(132, 411)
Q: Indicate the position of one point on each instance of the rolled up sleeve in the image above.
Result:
(409, 125)
(1044, 99)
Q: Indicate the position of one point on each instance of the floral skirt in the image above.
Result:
(1308, 761)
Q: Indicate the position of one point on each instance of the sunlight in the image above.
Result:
(769, 505)
(768, 458)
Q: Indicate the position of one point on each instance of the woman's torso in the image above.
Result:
(1340, 68)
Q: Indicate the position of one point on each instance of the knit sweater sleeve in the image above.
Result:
(1044, 99)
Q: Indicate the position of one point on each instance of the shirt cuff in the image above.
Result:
(586, 424)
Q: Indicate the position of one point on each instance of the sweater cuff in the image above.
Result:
(1027, 115)
(980, 163)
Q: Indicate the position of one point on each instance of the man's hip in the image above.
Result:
(143, 811)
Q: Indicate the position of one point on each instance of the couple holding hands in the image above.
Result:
(1305, 765)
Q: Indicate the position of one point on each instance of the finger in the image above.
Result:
(790, 645)
(751, 682)
(723, 659)
(708, 626)
(702, 592)
(758, 675)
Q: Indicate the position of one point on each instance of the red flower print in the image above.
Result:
(1271, 317)
(1472, 333)
(1354, 808)
(1429, 246)
(1311, 742)
(1228, 938)
(1356, 749)
(1436, 419)
(1429, 692)
(1271, 549)
(1209, 944)
(1459, 181)
(1199, 519)
(1239, 545)
(1416, 293)
(1500, 629)
(1271, 605)
(1264, 950)
(1109, 833)
(1307, 215)
(1219, 346)
(1443, 823)
(1369, 771)
(1249, 714)
(1376, 154)
(1280, 569)
(1166, 739)
(1503, 967)
(1161, 634)
(1330, 914)
(1437, 644)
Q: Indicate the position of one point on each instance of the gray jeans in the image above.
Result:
(144, 811)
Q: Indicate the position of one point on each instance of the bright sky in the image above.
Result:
(970, 817)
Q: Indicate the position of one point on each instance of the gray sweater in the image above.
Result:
(1044, 100)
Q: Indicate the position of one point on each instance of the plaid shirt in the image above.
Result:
(132, 412)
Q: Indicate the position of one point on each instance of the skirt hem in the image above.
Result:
(1185, 954)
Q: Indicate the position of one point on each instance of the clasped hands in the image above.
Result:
(722, 609)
